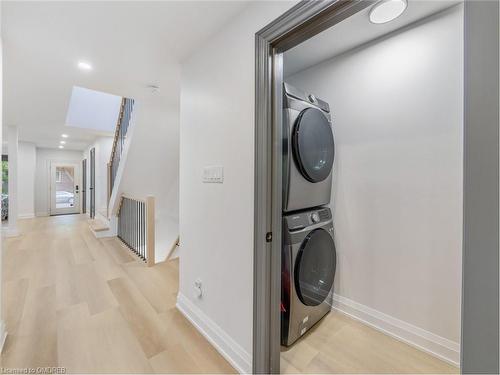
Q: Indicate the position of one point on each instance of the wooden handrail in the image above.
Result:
(123, 196)
(121, 130)
(109, 188)
(117, 130)
(113, 150)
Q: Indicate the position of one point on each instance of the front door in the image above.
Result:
(64, 188)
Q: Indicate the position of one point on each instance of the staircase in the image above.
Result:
(102, 225)
(122, 127)
(135, 181)
(129, 219)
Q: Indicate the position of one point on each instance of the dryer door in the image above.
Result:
(315, 267)
(313, 145)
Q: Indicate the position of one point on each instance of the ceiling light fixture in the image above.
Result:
(387, 10)
(64, 135)
(84, 66)
(61, 146)
(63, 142)
(153, 88)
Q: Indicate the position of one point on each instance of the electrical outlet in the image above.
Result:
(198, 291)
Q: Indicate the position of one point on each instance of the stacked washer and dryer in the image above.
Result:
(308, 248)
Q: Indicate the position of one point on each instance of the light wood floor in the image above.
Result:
(340, 345)
(89, 305)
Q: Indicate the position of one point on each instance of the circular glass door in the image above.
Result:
(315, 267)
(313, 145)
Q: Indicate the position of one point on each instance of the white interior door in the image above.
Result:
(64, 188)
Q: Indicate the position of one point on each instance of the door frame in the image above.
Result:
(481, 162)
(76, 183)
(83, 187)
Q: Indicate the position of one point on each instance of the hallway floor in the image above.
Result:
(87, 304)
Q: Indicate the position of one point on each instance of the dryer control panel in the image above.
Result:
(305, 97)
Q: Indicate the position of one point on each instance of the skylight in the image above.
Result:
(95, 110)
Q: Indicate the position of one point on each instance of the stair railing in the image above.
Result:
(121, 130)
(136, 226)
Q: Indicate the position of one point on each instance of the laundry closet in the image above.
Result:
(372, 193)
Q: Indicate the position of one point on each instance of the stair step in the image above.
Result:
(98, 225)
(103, 212)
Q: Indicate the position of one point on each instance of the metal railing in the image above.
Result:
(136, 227)
(122, 127)
(92, 183)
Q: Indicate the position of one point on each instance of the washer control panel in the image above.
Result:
(301, 220)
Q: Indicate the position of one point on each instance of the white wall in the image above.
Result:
(44, 156)
(397, 190)
(216, 220)
(103, 146)
(26, 180)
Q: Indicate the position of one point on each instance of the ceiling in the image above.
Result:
(354, 32)
(130, 44)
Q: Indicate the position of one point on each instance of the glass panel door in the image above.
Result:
(64, 189)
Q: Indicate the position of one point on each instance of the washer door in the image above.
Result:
(315, 267)
(313, 145)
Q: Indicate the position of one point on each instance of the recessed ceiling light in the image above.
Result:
(64, 135)
(61, 146)
(63, 142)
(84, 65)
(387, 10)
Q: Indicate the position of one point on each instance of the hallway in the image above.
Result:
(71, 300)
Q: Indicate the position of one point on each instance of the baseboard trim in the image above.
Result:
(25, 216)
(3, 335)
(240, 359)
(10, 232)
(41, 214)
(437, 346)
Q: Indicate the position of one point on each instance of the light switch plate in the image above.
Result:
(213, 174)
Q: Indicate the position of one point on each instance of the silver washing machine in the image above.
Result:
(308, 150)
(308, 263)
